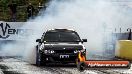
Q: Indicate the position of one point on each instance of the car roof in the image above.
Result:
(61, 30)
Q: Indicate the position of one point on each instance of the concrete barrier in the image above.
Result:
(124, 49)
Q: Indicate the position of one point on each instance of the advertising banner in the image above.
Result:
(14, 31)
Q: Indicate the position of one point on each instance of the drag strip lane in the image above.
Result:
(6, 70)
(17, 66)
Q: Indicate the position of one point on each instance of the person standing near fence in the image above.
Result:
(13, 11)
(30, 10)
(39, 7)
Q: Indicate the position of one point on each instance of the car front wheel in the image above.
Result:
(38, 57)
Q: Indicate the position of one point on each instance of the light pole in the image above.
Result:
(129, 36)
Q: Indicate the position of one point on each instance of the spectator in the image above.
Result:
(39, 7)
(13, 11)
(30, 10)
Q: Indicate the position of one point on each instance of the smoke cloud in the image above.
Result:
(92, 19)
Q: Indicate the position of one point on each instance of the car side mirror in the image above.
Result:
(38, 40)
(84, 40)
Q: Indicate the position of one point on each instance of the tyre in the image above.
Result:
(81, 66)
(38, 57)
(77, 61)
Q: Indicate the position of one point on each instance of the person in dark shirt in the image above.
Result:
(40, 7)
(30, 10)
(13, 10)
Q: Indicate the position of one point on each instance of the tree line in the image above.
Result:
(21, 8)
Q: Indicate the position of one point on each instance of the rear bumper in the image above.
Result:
(60, 58)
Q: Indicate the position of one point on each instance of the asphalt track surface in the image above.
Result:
(13, 65)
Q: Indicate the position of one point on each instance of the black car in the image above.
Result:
(59, 46)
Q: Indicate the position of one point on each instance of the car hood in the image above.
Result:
(63, 46)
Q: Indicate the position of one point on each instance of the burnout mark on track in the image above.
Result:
(52, 70)
(11, 72)
(57, 68)
(4, 69)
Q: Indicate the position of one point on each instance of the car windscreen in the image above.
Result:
(62, 37)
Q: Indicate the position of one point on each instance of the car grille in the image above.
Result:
(64, 51)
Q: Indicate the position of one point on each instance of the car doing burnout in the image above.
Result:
(59, 46)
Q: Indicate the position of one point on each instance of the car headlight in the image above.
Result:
(76, 51)
(83, 50)
(52, 51)
(49, 51)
